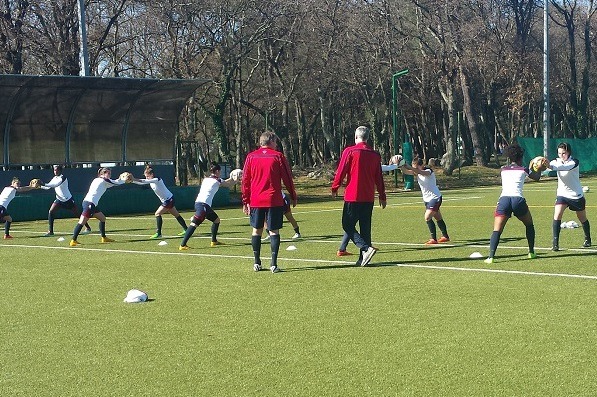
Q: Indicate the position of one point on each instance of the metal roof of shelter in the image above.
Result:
(74, 119)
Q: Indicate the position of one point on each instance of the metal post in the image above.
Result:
(395, 126)
(83, 56)
(546, 127)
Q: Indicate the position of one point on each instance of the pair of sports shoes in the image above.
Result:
(274, 269)
(442, 239)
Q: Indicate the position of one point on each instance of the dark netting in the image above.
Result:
(71, 119)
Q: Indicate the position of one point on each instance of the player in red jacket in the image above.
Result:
(264, 172)
(361, 166)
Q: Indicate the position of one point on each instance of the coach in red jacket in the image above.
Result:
(361, 165)
(264, 171)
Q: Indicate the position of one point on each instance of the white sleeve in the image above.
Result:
(389, 167)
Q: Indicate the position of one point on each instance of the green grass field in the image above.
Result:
(421, 321)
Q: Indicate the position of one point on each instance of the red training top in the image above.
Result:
(264, 171)
(362, 167)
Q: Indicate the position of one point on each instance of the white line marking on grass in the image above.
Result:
(464, 269)
(430, 267)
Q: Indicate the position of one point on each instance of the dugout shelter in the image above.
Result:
(87, 122)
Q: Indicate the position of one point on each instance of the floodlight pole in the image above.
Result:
(83, 56)
(546, 126)
(406, 149)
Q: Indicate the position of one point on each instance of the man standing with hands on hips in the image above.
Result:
(264, 171)
(361, 165)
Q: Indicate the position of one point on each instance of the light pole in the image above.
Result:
(406, 147)
(546, 127)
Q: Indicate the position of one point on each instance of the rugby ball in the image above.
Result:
(398, 160)
(539, 163)
(236, 174)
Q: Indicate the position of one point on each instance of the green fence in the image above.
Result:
(34, 205)
(583, 149)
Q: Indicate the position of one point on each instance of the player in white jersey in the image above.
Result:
(203, 210)
(64, 199)
(96, 190)
(432, 198)
(512, 201)
(166, 197)
(6, 196)
(569, 194)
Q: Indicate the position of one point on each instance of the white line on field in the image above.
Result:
(430, 267)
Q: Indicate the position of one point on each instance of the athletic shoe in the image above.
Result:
(156, 235)
(182, 233)
(86, 231)
(343, 253)
(74, 243)
(106, 240)
(532, 255)
(274, 269)
(184, 248)
(257, 267)
(7, 237)
(296, 235)
(587, 243)
(368, 255)
(443, 239)
(215, 243)
(489, 261)
(49, 234)
(555, 248)
(431, 241)
(266, 238)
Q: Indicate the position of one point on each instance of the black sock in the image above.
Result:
(77, 230)
(102, 229)
(444, 229)
(555, 231)
(256, 244)
(275, 245)
(187, 235)
(493, 243)
(158, 222)
(530, 232)
(586, 227)
(214, 231)
(50, 222)
(181, 222)
(432, 230)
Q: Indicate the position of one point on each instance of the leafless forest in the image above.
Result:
(313, 70)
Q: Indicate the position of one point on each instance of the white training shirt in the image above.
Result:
(8, 193)
(60, 185)
(208, 190)
(158, 186)
(568, 178)
(428, 185)
(513, 177)
(98, 188)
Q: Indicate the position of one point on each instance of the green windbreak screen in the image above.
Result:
(585, 150)
(72, 119)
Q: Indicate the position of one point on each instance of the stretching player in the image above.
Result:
(96, 190)
(64, 199)
(512, 201)
(569, 194)
(166, 197)
(6, 196)
(203, 210)
(432, 198)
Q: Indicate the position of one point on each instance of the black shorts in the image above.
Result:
(67, 205)
(573, 204)
(273, 215)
